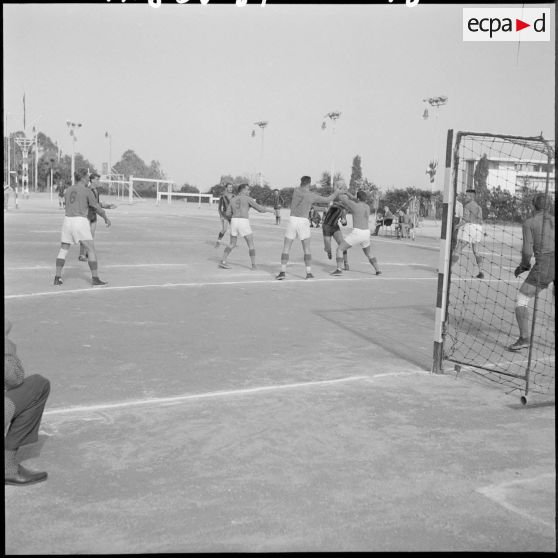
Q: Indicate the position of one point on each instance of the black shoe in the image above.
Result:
(24, 476)
(281, 276)
(337, 272)
(96, 282)
(378, 272)
(521, 343)
(309, 276)
(480, 275)
(58, 281)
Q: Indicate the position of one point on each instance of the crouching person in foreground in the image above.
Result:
(24, 402)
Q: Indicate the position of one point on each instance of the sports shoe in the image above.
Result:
(378, 272)
(521, 343)
(25, 476)
(281, 276)
(309, 276)
(224, 265)
(58, 281)
(337, 272)
(82, 258)
(480, 275)
(346, 266)
(96, 282)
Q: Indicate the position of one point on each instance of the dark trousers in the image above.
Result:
(29, 399)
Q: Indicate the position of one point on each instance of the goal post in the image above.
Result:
(476, 321)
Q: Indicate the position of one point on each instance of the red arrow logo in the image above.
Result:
(519, 25)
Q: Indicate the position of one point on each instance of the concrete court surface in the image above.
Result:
(195, 409)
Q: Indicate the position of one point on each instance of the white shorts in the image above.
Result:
(470, 232)
(75, 229)
(298, 227)
(240, 227)
(358, 236)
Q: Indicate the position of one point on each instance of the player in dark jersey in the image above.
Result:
(224, 202)
(92, 213)
(330, 225)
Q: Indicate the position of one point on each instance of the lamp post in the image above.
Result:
(72, 128)
(109, 137)
(262, 124)
(435, 103)
(333, 116)
(35, 178)
(9, 142)
(51, 176)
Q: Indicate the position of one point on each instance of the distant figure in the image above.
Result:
(277, 202)
(540, 244)
(470, 230)
(386, 220)
(299, 224)
(24, 402)
(61, 188)
(224, 202)
(314, 217)
(404, 225)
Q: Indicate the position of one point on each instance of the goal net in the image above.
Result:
(478, 292)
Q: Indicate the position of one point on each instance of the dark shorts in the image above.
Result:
(330, 230)
(542, 273)
(226, 218)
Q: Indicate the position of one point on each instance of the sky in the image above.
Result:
(183, 84)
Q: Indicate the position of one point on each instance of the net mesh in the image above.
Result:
(481, 323)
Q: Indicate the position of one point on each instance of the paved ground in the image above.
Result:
(195, 409)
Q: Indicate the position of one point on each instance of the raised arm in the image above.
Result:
(253, 203)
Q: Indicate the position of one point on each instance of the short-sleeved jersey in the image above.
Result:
(92, 213)
(241, 204)
(224, 202)
(534, 241)
(79, 199)
(303, 200)
(333, 214)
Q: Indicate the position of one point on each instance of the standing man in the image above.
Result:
(330, 227)
(299, 224)
(388, 216)
(78, 199)
(540, 243)
(277, 202)
(240, 225)
(224, 202)
(360, 234)
(470, 230)
(91, 214)
(60, 189)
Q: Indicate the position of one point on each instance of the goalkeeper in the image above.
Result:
(537, 241)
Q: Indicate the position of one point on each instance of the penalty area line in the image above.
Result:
(178, 398)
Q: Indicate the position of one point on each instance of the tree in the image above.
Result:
(132, 165)
(356, 175)
(188, 189)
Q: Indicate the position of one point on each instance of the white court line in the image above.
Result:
(219, 283)
(498, 494)
(164, 400)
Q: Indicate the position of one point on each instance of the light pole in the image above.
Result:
(51, 176)
(262, 124)
(333, 116)
(435, 103)
(109, 137)
(35, 178)
(9, 142)
(72, 127)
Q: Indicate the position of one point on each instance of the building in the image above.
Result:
(514, 174)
